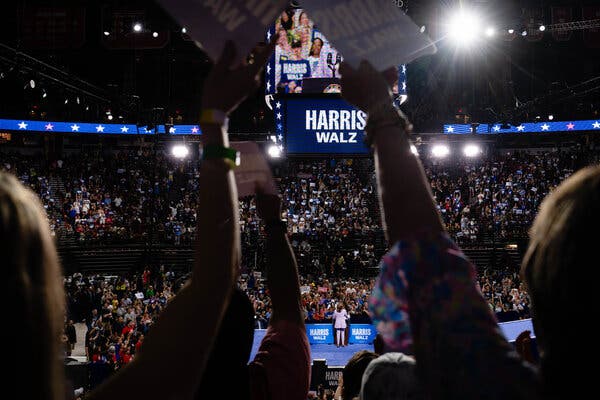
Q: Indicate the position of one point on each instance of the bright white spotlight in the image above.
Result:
(106, 33)
(550, 117)
(137, 27)
(511, 31)
(471, 150)
(413, 149)
(274, 151)
(110, 117)
(183, 30)
(32, 84)
(490, 31)
(423, 28)
(524, 33)
(440, 150)
(542, 28)
(155, 34)
(180, 151)
(464, 28)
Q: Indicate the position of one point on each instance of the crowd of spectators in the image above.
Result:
(497, 197)
(330, 205)
(118, 311)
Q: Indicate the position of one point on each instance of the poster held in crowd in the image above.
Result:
(375, 30)
(253, 171)
(212, 22)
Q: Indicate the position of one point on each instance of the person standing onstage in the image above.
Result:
(340, 315)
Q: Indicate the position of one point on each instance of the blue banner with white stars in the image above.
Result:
(527, 127)
(93, 128)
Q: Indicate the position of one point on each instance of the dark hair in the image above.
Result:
(379, 344)
(34, 291)
(312, 47)
(287, 25)
(353, 372)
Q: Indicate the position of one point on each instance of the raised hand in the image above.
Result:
(365, 87)
(227, 85)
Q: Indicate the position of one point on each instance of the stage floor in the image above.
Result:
(334, 356)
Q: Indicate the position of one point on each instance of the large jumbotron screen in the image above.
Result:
(304, 60)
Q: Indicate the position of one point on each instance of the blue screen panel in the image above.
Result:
(322, 126)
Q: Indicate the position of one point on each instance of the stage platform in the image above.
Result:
(334, 356)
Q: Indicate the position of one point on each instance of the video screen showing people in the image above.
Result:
(305, 62)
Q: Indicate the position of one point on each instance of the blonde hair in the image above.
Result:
(561, 267)
(34, 294)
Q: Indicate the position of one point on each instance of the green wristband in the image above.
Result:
(231, 156)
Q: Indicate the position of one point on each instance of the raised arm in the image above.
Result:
(282, 271)
(425, 298)
(404, 193)
(175, 351)
(281, 367)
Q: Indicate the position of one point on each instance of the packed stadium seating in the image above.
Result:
(330, 205)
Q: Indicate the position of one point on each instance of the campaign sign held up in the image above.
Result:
(375, 30)
(211, 22)
(324, 126)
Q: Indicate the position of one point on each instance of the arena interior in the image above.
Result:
(102, 117)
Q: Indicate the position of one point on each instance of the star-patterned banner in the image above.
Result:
(94, 128)
(270, 67)
(527, 127)
(279, 120)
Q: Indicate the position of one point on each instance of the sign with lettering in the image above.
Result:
(323, 126)
(294, 70)
(332, 377)
(362, 333)
(211, 22)
(375, 30)
(319, 333)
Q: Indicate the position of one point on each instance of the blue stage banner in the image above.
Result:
(526, 127)
(319, 333)
(93, 128)
(322, 126)
(365, 333)
(362, 333)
